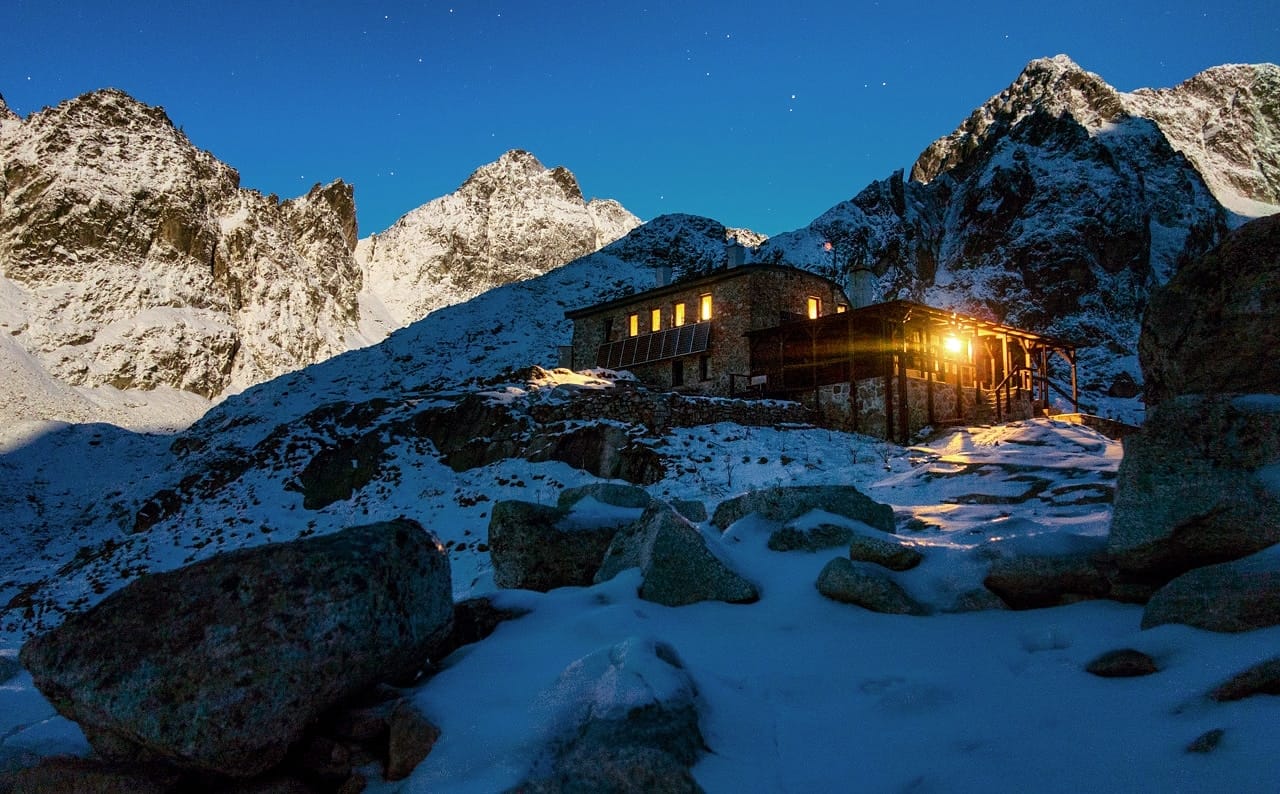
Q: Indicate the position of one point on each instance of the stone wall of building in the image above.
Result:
(742, 299)
(636, 405)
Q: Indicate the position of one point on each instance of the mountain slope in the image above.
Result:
(511, 220)
(139, 262)
(1226, 120)
(133, 263)
(1053, 207)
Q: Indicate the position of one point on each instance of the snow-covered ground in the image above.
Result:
(797, 693)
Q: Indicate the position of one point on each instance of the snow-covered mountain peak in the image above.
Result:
(520, 168)
(511, 220)
(1054, 86)
(5, 113)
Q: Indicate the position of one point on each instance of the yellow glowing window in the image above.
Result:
(633, 324)
(704, 307)
(679, 314)
(815, 308)
(655, 320)
(841, 308)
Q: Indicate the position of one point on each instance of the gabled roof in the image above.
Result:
(724, 274)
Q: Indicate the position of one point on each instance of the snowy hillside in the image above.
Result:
(511, 220)
(795, 690)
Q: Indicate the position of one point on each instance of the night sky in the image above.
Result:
(757, 114)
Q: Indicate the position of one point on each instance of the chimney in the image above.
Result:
(862, 286)
(735, 252)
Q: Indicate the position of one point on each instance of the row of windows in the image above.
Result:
(679, 317)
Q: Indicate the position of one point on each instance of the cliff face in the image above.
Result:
(1060, 204)
(513, 219)
(131, 259)
(1226, 120)
(138, 261)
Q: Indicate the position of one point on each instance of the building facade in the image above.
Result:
(691, 336)
(886, 369)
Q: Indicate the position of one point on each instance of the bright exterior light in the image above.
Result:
(953, 344)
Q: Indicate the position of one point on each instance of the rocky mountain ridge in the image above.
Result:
(137, 276)
(1058, 206)
(510, 220)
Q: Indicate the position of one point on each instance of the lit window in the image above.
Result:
(679, 314)
(704, 307)
(841, 308)
(815, 308)
(655, 320)
(633, 324)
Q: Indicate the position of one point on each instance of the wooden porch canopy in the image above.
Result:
(902, 339)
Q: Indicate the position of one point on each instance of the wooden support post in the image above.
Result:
(1004, 376)
(928, 385)
(904, 418)
(1075, 392)
(887, 359)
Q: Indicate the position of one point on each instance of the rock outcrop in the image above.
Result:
(1262, 678)
(1122, 663)
(1213, 328)
(512, 220)
(785, 503)
(536, 547)
(1241, 595)
(1196, 486)
(677, 566)
(266, 639)
(628, 718)
(868, 586)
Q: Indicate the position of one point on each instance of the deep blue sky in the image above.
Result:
(757, 114)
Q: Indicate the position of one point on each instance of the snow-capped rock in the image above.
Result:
(512, 219)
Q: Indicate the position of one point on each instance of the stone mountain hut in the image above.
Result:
(771, 331)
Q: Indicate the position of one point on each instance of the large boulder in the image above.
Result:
(1047, 580)
(868, 586)
(1214, 327)
(628, 722)
(610, 493)
(788, 502)
(1232, 596)
(677, 566)
(814, 538)
(220, 666)
(536, 547)
(1196, 487)
(888, 552)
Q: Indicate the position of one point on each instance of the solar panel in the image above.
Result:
(657, 346)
